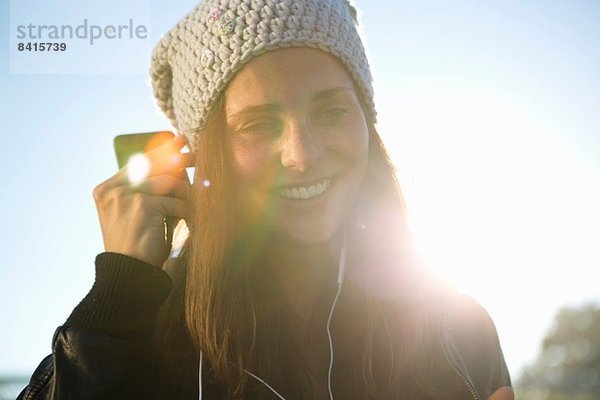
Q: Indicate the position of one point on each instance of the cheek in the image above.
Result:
(353, 143)
(249, 162)
(253, 171)
(361, 144)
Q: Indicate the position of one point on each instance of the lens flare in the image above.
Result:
(138, 168)
(206, 183)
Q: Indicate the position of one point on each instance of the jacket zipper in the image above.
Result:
(455, 368)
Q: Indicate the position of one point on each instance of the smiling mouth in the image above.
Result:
(305, 192)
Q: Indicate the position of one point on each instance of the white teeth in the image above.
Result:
(305, 192)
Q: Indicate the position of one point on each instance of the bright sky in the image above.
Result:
(490, 110)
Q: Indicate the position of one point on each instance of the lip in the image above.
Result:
(313, 202)
(305, 183)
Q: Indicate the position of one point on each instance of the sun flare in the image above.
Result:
(138, 168)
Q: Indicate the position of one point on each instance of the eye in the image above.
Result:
(332, 114)
(261, 127)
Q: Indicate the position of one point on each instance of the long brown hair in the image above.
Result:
(233, 306)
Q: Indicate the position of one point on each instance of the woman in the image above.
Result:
(298, 279)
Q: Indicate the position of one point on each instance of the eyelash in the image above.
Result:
(337, 111)
(330, 115)
(257, 127)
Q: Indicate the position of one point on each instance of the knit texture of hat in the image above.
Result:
(195, 60)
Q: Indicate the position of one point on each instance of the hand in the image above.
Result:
(132, 216)
(504, 393)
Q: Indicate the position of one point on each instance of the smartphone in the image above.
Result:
(134, 143)
(127, 145)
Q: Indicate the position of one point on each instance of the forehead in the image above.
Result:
(285, 76)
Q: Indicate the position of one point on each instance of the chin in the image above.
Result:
(309, 236)
(317, 225)
(310, 231)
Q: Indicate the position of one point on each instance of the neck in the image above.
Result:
(302, 270)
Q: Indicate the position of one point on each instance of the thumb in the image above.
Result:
(504, 393)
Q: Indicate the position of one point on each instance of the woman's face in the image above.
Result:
(297, 141)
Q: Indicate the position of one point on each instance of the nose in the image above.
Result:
(300, 147)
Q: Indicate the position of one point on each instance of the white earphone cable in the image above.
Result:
(340, 280)
(200, 377)
(265, 383)
(331, 342)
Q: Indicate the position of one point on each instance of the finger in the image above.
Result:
(163, 206)
(172, 207)
(504, 393)
(164, 141)
(165, 149)
(172, 161)
(164, 159)
(169, 161)
(165, 185)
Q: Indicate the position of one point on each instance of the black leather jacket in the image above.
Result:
(101, 352)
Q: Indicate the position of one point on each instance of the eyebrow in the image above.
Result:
(260, 108)
(324, 94)
(271, 107)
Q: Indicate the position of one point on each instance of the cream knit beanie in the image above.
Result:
(195, 60)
